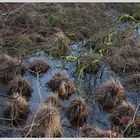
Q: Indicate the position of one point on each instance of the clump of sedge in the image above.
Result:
(47, 122)
(21, 86)
(121, 116)
(16, 110)
(9, 68)
(110, 94)
(39, 66)
(77, 112)
(63, 85)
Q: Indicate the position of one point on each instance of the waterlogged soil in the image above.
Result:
(97, 117)
(89, 83)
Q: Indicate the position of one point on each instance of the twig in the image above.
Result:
(37, 82)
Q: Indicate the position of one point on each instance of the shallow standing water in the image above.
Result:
(96, 118)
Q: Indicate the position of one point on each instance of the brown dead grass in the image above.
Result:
(53, 100)
(110, 94)
(134, 129)
(62, 85)
(88, 131)
(132, 81)
(21, 86)
(47, 122)
(26, 25)
(121, 116)
(16, 110)
(9, 68)
(126, 58)
(77, 112)
(39, 66)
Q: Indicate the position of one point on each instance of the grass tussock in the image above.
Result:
(125, 59)
(54, 101)
(47, 122)
(16, 110)
(121, 116)
(9, 68)
(77, 112)
(111, 94)
(39, 66)
(62, 85)
(21, 86)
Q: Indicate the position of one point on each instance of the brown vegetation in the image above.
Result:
(16, 110)
(110, 94)
(125, 59)
(133, 81)
(121, 116)
(53, 100)
(9, 68)
(24, 26)
(21, 86)
(134, 129)
(88, 131)
(39, 66)
(77, 112)
(90, 62)
(47, 123)
(63, 85)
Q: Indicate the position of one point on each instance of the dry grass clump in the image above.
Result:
(39, 66)
(9, 68)
(134, 129)
(60, 46)
(37, 38)
(133, 81)
(47, 123)
(88, 131)
(21, 86)
(125, 59)
(110, 94)
(90, 63)
(121, 116)
(63, 85)
(77, 112)
(54, 101)
(16, 110)
(45, 20)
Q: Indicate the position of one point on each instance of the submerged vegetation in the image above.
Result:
(105, 34)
